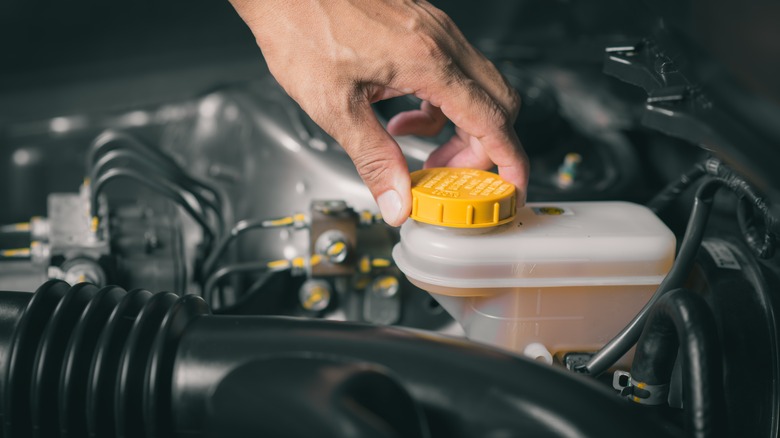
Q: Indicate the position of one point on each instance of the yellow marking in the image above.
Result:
(380, 263)
(298, 262)
(315, 260)
(94, 224)
(365, 265)
(16, 252)
(82, 278)
(87, 182)
(299, 217)
(276, 264)
(280, 222)
(387, 282)
(377, 217)
(641, 385)
(366, 215)
(34, 244)
(318, 294)
(637, 399)
(336, 249)
(22, 226)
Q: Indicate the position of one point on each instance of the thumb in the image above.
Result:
(377, 157)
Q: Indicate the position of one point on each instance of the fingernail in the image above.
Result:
(390, 205)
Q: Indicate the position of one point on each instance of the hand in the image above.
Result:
(337, 57)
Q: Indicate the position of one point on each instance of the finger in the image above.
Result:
(469, 107)
(427, 121)
(377, 157)
(475, 156)
(442, 155)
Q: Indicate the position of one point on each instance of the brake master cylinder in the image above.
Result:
(545, 279)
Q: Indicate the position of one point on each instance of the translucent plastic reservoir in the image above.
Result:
(561, 277)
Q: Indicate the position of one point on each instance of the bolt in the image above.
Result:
(333, 246)
(314, 295)
(386, 286)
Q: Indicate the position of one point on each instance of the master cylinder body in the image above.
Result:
(559, 278)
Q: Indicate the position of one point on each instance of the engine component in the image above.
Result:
(565, 276)
(85, 361)
(138, 243)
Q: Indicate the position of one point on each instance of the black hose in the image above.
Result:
(111, 139)
(681, 320)
(239, 228)
(163, 187)
(163, 367)
(181, 179)
(247, 295)
(620, 344)
(676, 188)
(213, 281)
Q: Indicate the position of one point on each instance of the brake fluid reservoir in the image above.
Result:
(552, 278)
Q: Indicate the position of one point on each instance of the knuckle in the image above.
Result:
(415, 23)
(513, 107)
(372, 165)
(429, 46)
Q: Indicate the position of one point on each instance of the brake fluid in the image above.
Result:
(544, 279)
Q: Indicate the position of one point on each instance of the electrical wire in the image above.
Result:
(761, 242)
(751, 209)
(250, 292)
(163, 187)
(676, 188)
(109, 160)
(243, 226)
(296, 266)
(216, 278)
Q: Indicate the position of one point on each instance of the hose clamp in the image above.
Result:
(640, 392)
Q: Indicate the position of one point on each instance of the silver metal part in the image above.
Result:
(315, 295)
(39, 228)
(70, 234)
(382, 300)
(271, 159)
(82, 270)
(333, 246)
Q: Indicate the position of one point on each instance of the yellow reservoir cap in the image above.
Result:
(461, 198)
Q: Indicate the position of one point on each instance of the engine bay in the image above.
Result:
(208, 261)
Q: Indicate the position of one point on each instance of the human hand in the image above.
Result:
(337, 57)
